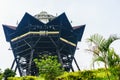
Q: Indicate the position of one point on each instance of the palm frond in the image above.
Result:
(112, 57)
(96, 39)
(100, 47)
(98, 59)
(109, 41)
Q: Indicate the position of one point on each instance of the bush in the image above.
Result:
(68, 76)
(1, 75)
(84, 75)
(29, 78)
(23, 78)
(99, 74)
(115, 71)
(49, 67)
(15, 78)
(8, 73)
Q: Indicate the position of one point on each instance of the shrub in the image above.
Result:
(69, 76)
(49, 67)
(8, 73)
(115, 71)
(23, 78)
(15, 78)
(84, 75)
(1, 75)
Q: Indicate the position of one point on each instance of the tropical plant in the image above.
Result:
(100, 47)
(49, 67)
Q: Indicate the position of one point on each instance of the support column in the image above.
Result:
(30, 62)
(72, 68)
(76, 63)
(13, 64)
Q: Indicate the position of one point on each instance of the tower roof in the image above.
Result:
(29, 21)
(44, 17)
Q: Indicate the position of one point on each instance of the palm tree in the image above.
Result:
(100, 47)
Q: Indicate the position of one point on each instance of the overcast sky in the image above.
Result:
(100, 16)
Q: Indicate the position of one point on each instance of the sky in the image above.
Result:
(100, 16)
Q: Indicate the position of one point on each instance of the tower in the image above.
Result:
(42, 34)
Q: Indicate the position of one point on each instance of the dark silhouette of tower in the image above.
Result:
(33, 37)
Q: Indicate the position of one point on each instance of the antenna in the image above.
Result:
(56, 14)
(17, 22)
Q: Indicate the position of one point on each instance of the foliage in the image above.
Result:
(97, 74)
(15, 78)
(1, 75)
(68, 76)
(84, 75)
(113, 58)
(24, 78)
(100, 47)
(115, 71)
(8, 73)
(49, 67)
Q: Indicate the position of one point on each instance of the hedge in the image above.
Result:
(99, 74)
